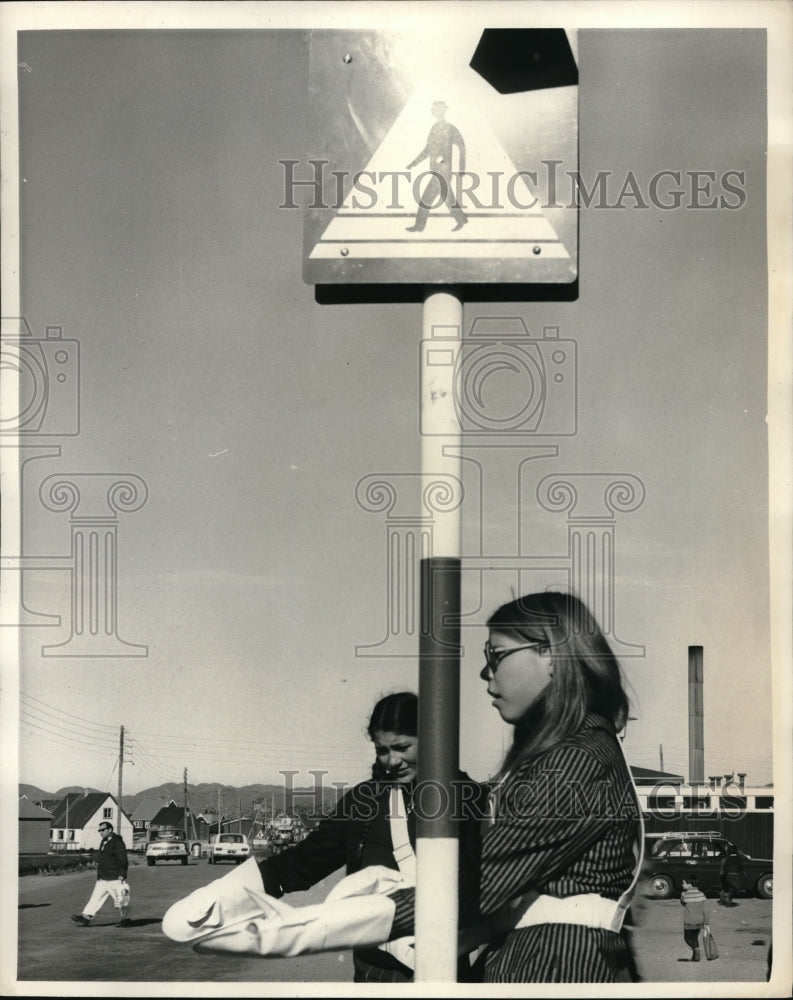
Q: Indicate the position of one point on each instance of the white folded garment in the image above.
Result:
(238, 895)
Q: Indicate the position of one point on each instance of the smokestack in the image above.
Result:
(696, 733)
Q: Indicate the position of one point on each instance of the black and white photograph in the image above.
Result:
(396, 483)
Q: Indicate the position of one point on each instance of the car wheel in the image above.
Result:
(765, 887)
(150, 862)
(661, 886)
(209, 860)
(184, 861)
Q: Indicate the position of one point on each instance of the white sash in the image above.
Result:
(402, 949)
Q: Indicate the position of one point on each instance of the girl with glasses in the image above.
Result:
(561, 850)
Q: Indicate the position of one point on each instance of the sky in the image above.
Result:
(247, 414)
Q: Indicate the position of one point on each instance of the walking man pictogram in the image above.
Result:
(442, 138)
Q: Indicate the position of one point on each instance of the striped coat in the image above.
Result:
(565, 823)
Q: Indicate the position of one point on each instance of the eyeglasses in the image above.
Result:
(494, 656)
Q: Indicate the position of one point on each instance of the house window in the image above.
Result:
(107, 813)
(71, 835)
(60, 834)
(764, 802)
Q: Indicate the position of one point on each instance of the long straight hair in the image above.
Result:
(586, 676)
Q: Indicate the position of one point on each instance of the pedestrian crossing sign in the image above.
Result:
(440, 161)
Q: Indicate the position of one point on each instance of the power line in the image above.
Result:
(46, 725)
(65, 740)
(96, 725)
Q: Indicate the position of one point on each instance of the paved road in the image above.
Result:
(53, 948)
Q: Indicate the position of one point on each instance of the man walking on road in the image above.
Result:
(111, 878)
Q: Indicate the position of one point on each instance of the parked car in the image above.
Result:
(167, 846)
(228, 847)
(674, 856)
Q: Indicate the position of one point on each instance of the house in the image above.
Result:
(35, 824)
(170, 817)
(173, 817)
(76, 819)
(145, 812)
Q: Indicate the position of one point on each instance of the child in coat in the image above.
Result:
(695, 914)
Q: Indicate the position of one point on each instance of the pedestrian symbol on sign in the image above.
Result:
(442, 139)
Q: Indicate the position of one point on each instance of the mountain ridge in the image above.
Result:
(203, 797)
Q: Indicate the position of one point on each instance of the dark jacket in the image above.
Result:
(111, 859)
(358, 835)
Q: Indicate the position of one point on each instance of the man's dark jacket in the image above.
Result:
(111, 858)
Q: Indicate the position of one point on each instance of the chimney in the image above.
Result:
(696, 735)
(742, 780)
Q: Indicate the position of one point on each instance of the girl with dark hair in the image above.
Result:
(373, 825)
(359, 832)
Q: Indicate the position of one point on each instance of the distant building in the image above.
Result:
(35, 824)
(76, 819)
(742, 813)
(145, 812)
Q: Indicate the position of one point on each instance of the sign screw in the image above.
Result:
(347, 58)
(344, 252)
(536, 251)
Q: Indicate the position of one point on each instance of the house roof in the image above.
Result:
(81, 808)
(170, 815)
(148, 808)
(29, 810)
(646, 775)
(59, 808)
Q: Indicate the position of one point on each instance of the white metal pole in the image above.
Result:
(439, 660)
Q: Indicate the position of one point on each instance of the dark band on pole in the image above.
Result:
(439, 694)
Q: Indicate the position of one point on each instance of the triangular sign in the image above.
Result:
(480, 206)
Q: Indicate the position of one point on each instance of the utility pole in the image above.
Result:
(186, 808)
(120, 772)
